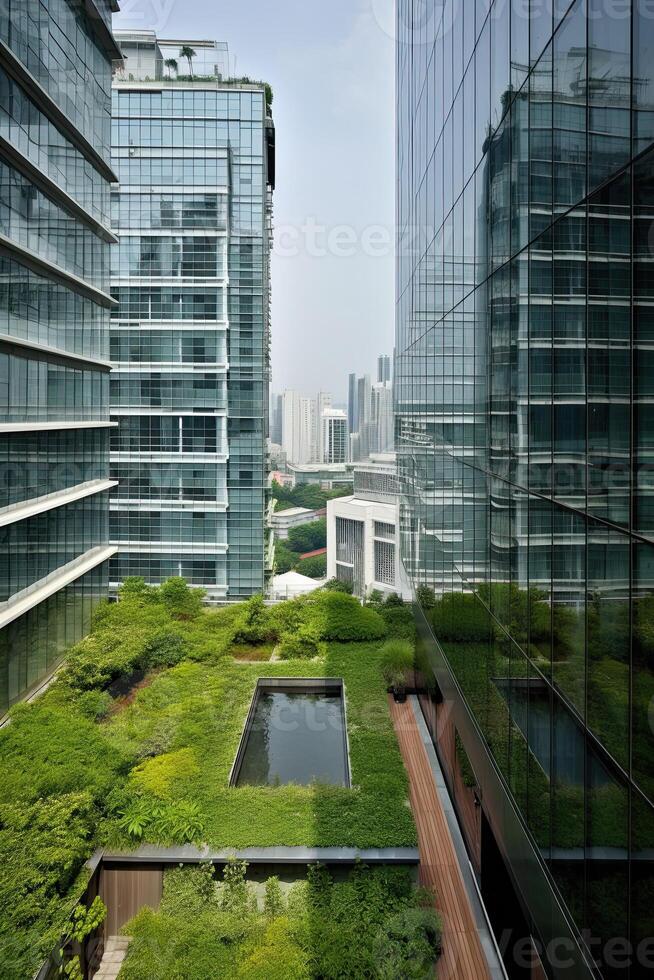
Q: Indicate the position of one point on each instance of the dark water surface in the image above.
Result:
(296, 737)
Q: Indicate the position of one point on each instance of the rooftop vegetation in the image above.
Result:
(307, 495)
(371, 925)
(135, 740)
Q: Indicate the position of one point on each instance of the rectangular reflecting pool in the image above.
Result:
(295, 733)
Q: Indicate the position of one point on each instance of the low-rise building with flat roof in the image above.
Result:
(284, 521)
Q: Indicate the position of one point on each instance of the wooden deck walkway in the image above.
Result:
(463, 956)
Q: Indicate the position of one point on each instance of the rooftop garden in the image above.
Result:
(134, 741)
(372, 924)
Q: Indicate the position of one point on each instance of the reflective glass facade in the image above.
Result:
(189, 338)
(525, 316)
(55, 87)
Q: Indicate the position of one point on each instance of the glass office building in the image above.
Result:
(194, 154)
(525, 350)
(55, 109)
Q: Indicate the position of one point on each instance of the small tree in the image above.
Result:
(313, 567)
(171, 65)
(188, 52)
(335, 585)
(180, 600)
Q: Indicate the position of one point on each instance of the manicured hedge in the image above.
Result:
(346, 620)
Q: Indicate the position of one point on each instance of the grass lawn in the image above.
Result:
(198, 710)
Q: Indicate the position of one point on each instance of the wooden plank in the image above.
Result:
(463, 956)
(126, 890)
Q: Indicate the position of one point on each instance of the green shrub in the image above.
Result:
(190, 890)
(179, 822)
(285, 559)
(165, 649)
(407, 945)
(345, 620)
(399, 621)
(94, 704)
(335, 585)
(460, 618)
(397, 659)
(135, 587)
(313, 567)
(276, 956)
(273, 904)
(426, 597)
(303, 644)
(180, 599)
(326, 929)
(235, 895)
(255, 628)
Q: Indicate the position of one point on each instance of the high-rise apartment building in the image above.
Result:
(298, 427)
(322, 404)
(352, 403)
(194, 154)
(383, 369)
(382, 421)
(55, 111)
(525, 435)
(335, 438)
(276, 419)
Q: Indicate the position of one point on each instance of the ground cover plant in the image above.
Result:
(82, 767)
(372, 924)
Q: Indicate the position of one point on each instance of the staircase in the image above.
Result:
(115, 949)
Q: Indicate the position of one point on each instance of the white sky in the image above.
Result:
(331, 67)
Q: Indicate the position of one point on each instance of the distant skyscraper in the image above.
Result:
(195, 160)
(352, 404)
(298, 427)
(335, 436)
(55, 114)
(276, 419)
(381, 439)
(323, 402)
(383, 368)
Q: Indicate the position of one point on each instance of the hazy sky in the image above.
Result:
(331, 66)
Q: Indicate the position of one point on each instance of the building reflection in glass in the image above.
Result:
(525, 404)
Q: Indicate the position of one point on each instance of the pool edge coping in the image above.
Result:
(189, 853)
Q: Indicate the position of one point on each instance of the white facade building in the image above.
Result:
(284, 521)
(363, 547)
(382, 435)
(322, 404)
(335, 437)
(298, 427)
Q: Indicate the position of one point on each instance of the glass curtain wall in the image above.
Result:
(525, 209)
(55, 109)
(189, 347)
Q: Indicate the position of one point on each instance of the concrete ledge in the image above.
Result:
(189, 854)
